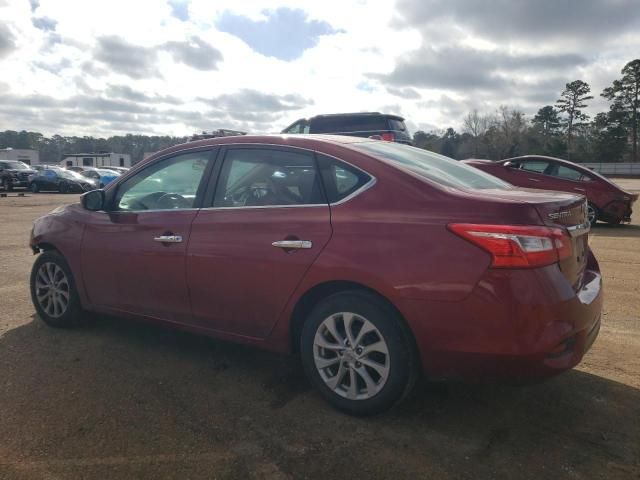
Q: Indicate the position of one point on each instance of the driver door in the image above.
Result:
(133, 255)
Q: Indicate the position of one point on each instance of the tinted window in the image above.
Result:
(170, 184)
(298, 127)
(537, 166)
(348, 124)
(265, 177)
(14, 165)
(397, 125)
(437, 168)
(567, 173)
(340, 180)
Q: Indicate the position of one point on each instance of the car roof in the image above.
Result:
(544, 157)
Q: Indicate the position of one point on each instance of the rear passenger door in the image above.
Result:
(531, 174)
(266, 221)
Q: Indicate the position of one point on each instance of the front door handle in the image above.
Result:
(579, 189)
(297, 244)
(168, 238)
(534, 179)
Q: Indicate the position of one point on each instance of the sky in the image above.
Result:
(175, 67)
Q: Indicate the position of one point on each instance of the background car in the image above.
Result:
(366, 124)
(101, 176)
(119, 170)
(606, 200)
(375, 261)
(60, 180)
(14, 174)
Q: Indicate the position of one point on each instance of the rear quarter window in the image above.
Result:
(340, 179)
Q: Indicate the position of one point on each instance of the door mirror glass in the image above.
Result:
(93, 200)
(508, 164)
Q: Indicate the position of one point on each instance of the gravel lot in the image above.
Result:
(123, 400)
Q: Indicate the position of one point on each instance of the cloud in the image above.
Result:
(255, 101)
(7, 40)
(44, 23)
(127, 93)
(195, 53)
(463, 68)
(180, 9)
(284, 33)
(408, 93)
(34, 4)
(513, 20)
(125, 58)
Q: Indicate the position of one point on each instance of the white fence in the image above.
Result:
(614, 168)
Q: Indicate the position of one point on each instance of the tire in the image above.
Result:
(51, 269)
(6, 185)
(395, 372)
(592, 213)
(34, 187)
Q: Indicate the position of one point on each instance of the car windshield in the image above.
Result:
(105, 172)
(435, 167)
(15, 165)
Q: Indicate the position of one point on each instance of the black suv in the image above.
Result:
(14, 174)
(369, 124)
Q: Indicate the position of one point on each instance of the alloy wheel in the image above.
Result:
(591, 214)
(52, 289)
(351, 356)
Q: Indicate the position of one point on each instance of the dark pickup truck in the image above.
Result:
(368, 124)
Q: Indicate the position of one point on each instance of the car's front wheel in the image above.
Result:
(53, 291)
(34, 187)
(357, 352)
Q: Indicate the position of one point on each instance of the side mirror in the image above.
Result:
(93, 200)
(508, 164)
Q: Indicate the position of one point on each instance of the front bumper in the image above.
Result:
(516, 324)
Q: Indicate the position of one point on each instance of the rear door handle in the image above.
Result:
(579, 189)
(296, 244)
(168, 238)
(534, 179)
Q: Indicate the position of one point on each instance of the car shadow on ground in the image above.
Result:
(120, 399)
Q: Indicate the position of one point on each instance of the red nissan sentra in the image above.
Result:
(375, 261)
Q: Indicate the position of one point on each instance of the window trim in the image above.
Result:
(111, 193)
(215, 177)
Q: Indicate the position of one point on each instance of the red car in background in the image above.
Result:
(606, 200)
(374, 260)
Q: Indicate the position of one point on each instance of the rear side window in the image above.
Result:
(567, 173)
(267, 177)
(432, 166)
(397, 125)
(537, 166)
(340, 180)
(348, 124)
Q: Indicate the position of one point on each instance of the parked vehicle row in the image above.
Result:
(376, 261)
(15, 174)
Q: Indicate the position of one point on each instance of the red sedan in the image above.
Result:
(606, 201)
(375, 261)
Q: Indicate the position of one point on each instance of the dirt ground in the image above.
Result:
(123, 400)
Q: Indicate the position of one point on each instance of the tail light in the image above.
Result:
(388, 137)
(517, 246)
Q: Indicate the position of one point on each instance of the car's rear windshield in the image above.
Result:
(435, 167)
(346, 124)
(397, 125)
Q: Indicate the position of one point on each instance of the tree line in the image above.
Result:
(560, 130)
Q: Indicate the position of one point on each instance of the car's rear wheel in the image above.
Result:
(592, 213)
(53, 291)
(357, 353)
(34, 187)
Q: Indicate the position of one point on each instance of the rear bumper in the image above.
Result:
(616, 211)
(516, 324)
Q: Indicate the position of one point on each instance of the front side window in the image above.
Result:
(169, 184)
(267, 177)
(299, 127)
(14, 165)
